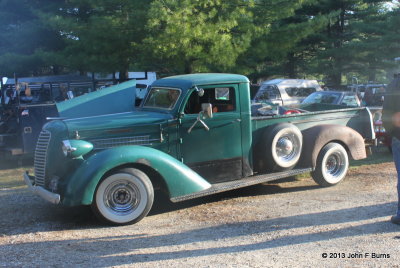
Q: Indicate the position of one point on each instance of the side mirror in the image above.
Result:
(206, 108)
(200, 91)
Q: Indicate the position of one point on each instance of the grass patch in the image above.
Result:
(12, 177)
(376, 158)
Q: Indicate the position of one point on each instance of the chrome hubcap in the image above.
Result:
(122, 197)
(334, 164)
(286, 147)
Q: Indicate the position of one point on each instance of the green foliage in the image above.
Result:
(197, 36)
(23, 37)
(337, 49)
(258, 38)
(100, 35)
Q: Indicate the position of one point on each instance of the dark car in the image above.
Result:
(334, 97)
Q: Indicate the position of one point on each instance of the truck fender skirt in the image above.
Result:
(179, 178)
(316, 137)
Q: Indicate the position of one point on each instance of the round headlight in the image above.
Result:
(76, 148)
(66, 147)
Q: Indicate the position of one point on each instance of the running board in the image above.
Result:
(231, 185)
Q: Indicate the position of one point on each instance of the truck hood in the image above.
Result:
(114, 99)
(119, 124)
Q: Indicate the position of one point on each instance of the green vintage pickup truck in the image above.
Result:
(194, 135)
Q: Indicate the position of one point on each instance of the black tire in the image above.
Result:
(124, 197)
(283, 145)
(332, 165)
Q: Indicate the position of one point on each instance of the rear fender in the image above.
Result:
(179, 179)
(315, 138)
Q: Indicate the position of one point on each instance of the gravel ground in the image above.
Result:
(282, 224)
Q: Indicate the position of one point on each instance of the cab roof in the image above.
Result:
(188, 81)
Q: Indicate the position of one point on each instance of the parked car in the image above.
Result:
(370, 94)
(344, 98)
(286, 92)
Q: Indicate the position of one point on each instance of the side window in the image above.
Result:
(268, 93)
(299, 91)
(349, 100)
(222, 100)
(292, 91)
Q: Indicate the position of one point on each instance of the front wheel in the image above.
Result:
(124, 197)
(332, 165)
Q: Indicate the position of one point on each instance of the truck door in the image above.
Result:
(216, 154)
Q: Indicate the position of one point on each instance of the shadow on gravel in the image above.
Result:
(102, 251)
(162, 203)
(36, 215)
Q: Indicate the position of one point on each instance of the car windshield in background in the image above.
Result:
(322, 97)
(162, 98)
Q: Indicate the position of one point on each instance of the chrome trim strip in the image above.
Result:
(77, 118)
(40, 191)
(323, 119)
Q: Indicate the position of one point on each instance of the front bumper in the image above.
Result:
(47, 195)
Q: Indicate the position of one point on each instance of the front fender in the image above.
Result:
(317, 137)
(180, 179)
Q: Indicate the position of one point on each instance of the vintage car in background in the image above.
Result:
(344, 98)
(285, 92)
(193, 136)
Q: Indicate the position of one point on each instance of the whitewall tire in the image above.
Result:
(124, 197)
(332, 165)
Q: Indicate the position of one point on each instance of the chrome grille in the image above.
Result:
(40, 157)
(115, 142)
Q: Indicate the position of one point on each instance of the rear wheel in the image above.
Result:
(124, 197)
(332, 165)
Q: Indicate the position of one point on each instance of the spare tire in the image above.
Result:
(280, 147)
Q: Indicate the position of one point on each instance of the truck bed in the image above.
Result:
(358, 118)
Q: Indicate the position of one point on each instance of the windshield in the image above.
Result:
(323, 97)
(162, 98)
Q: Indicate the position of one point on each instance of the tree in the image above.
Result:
(334, 51)
(196, 36)
(101, 36)
(25, 39)
(377, 44)
(280, 49)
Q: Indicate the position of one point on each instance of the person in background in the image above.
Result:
(368, 97)
(391, 122)
(63, 95)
